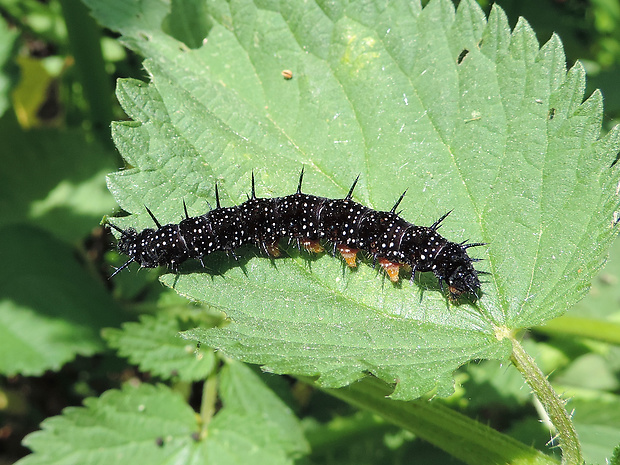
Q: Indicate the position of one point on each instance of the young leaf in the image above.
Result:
(152, 424)
(155, 346)
(466, 114)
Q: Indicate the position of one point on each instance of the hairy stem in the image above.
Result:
(554, 406)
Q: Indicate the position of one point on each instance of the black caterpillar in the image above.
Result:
(307, 219)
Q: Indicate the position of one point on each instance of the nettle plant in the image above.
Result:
(466, 114)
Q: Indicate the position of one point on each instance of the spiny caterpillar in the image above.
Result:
(309, 220)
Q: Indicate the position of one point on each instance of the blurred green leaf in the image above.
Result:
(8, 70)
(495, 387)
(50, 310)
(54, 180)
(589, 371)
(603, 299)
(597, 424)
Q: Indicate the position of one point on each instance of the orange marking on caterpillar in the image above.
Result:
(392, 269)
(312, 246)
(349, 255)
(273, 250)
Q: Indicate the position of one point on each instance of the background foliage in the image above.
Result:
(56, 101)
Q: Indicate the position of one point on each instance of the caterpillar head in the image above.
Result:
(463, 279)
(127, 241)
(131, 243)
(455, 267)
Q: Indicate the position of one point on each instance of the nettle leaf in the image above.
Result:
(466, 114)
(154, 345)
(152, 424)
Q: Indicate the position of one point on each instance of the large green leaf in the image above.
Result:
(466, 114)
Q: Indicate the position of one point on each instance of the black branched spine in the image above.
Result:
(304, 218)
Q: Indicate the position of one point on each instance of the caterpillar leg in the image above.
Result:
(121, 268)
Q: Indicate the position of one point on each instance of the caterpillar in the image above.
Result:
(310, 221)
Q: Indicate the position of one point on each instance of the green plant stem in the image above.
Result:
(454, 433)
(85, 41)
(554, 406)
(599, 330)
(209, 398)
